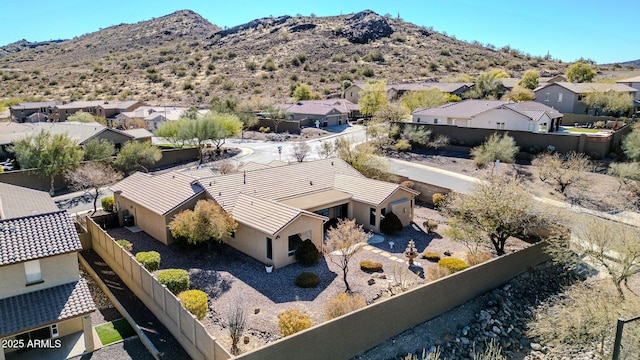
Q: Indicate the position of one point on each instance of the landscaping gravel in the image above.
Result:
(131, 348)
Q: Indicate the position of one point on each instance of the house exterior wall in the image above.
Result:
(635, 85)
(511, 120)
(55, 270)
(106, 113)
(352, 93)
(332, 119)
(115, 138)
(361, 210)
(568, 104)
(65, 328)
(254, 242)
(400, 194)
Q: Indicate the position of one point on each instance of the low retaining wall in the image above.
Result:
(351, 334)
(426, 190)
(189, 332)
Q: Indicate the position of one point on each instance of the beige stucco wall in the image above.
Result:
(56, 270)
(254, 242)
(65, 328)
(511, 119)
(361, 210)
(352, 93)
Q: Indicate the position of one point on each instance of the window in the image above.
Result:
(54, 331)
(546, 97)
(294, 242)
(435, 121)
(560, 97)
(468, 123)
(418, 119)
(269, 249)
(383, 212)
(581, 97)
(32, 272)
(372, 216)
(499, 125)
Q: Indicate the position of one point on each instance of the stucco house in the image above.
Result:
(276, 207)
(492, 114)
(329, 112)
(153, 116)
(567, 97)
(42, 295)
(395, 91)
(633, 82)
(102, 108)
(33, 111)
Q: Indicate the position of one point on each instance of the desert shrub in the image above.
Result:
(370, 266)
(438, 199)
(125, 244)
(436, 272)
(265, 129)
(390, 224)
(431, 255)
(402, 145)
(307, 280)
(149, 259)
(598, 124)
(408, 184)
(307, 253)
(343, 303)
(196, 302)
(478, 258)
(176, 280)
(292, 321)
(107, 203)
(430, 225)
(453, 264)
(368, 71)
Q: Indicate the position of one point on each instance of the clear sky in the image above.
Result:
(602, 30)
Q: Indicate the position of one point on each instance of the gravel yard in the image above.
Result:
(230, 277)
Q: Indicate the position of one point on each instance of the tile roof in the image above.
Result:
(252, 166)
(509, 83)
(35, 105)
(42, 307)
(266, 215)
(367, 190)
(81, 132)
(95, 103)
(18, 201)
(635, 79)
(469, 109)
(9, 127)
(533, 109)
(319, 107)
(448, 87)
(118, 104)
(158, 193)
(37, 236)
(585, 88)
(138, 133)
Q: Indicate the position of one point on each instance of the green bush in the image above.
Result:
(149, 259)
(453, 264)
(402, 145)
(292, 321)
(370, 266)
(265, 129)
(390, 224)
(343, 303)
(430, 225)
(431, 255)
(176, 280)
(196, 301)
(107, 203)
(307, 280)
(125, 244)
(438, 199)
(307, 253)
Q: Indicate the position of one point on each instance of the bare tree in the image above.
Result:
(326, 149)
(562, 171)
(227, 167)
(92, 176)
(236, 322)
(301, 150)
(342, 243)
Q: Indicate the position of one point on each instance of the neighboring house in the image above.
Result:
(33, 111)
(155, 200)
(142, 135)
(395, 91)
(544, 80)
(42, 295)
(323, 112)
(633, 82)
(567, 97)
(153, 116)
(81, 132)
(276, 207)
(492, 114)
(102, 108)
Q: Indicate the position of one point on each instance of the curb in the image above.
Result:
(143, 337)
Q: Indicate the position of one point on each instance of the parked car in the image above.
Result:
(6, 165)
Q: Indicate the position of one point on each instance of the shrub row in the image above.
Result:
(149, 259)
(196, 302)
(176, 280)
(125, 244)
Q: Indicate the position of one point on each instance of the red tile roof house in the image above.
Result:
(42, 295)
(276, 207)
(492, 114)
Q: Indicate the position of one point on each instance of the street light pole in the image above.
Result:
(618, 342)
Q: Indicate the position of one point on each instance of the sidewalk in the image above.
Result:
(161, 338)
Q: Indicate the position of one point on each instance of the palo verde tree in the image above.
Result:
(529, 79)
(580, 72)
(495, 209)
(50, 155)
(136, 154)
(213, 126)
(342, 243)
(610, 102)
(372, 98)
(562, 171)
(519, 93)
(206, 223)
(277, 115)
(424, 99)
(488, 85)
(168, 130)
(361, 158)
(303, 92)
(497, 147)
(92, 176)
(631, 144)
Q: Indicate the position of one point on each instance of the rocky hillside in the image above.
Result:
(183, 59)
